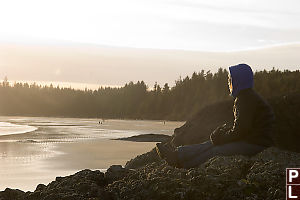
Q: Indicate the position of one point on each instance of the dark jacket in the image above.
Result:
(253, 117)
(253, 121)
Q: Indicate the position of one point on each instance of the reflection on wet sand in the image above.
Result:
(63, 146)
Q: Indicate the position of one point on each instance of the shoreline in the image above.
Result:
(85, 117)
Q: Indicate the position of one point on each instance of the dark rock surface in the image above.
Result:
(85, 184)
(198, 128)
(11, 194)
(115, 172)
(147, 138)
(142, 160)
(232, 177)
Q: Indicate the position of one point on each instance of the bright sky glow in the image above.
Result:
(207, 25)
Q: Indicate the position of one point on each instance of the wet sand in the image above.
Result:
(97, 154)
(61, 147)
(24, 166)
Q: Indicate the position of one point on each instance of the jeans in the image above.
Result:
(193, 155)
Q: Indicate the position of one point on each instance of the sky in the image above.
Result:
(201, 25)
(112, 42)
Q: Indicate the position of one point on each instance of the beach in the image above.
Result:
(51, 147)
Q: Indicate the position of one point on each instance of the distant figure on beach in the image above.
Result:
(164, 122)
(102, 121)
(249, 135)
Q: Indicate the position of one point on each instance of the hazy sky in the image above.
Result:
(207, 25)
(116, 66)
(71, 40)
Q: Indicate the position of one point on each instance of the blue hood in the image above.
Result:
(241, 77)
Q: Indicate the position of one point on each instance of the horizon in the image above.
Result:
(96, 65)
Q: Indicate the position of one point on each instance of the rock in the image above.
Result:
(85, 184)
(198, 128)
(9, 194)
(115, 172)
(142, 160)
(221, 177)
(147, 138)
(40, 187)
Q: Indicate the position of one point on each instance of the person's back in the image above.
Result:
(260, 116)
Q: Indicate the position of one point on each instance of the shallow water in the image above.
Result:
(35, 150)
(7, 128)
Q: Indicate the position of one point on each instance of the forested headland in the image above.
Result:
(136, 100)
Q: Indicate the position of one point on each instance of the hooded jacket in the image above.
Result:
(253, 117)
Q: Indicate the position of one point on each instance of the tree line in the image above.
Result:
(136, 100)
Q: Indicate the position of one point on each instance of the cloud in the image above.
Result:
(180, 24)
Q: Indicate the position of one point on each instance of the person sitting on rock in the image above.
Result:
(249, 135)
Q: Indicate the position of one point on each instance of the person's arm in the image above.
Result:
(216, 134)
(242, 124)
